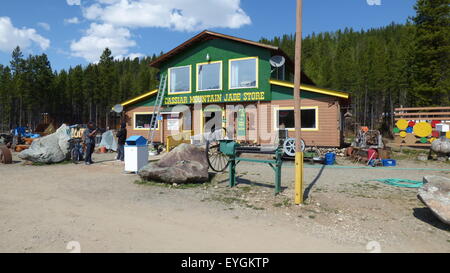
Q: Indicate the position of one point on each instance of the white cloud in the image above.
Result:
(180, 15)
(10, 37)
(73, 2)
(132, 56)
(100, 36)
(113, 19)
(73, 20)
(44, 25)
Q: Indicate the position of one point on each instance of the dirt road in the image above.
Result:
(42, 208)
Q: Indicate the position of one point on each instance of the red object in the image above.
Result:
(411, 123)
(434, 122)
(103, 150)
(372, 154)
(435, 134)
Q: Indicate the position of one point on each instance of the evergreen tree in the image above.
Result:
(432, 52)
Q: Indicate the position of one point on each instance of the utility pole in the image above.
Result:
(297, 108)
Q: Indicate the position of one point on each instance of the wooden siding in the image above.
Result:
(260, 122)
(129, 117)
(328, 133)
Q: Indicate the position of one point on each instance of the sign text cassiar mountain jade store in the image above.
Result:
(216, 98)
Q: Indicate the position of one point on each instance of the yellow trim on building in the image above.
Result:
(312, 89)
(139, 97)
(190, 80)
(144, 129)
(274, 82)
(275, 118)
(221, 76)
(240, 59)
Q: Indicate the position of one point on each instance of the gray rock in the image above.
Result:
(435, 194)
(422, 157)
(441, 145)
(53, 148)
(186, 163)
(442, 158)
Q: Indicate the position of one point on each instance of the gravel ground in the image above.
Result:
(42, 208)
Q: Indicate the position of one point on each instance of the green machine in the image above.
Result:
(225, 153)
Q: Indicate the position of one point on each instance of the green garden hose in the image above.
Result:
(403, 183)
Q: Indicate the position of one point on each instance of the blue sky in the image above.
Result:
(74, 32)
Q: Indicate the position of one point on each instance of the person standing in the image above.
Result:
(89, 140)
(121, 138)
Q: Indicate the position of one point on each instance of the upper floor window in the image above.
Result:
(244, 73)
(209, 76)
(180, 79)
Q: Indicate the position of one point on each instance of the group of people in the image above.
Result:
(89, 140)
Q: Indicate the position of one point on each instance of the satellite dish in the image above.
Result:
(118, 108)
(277, 61)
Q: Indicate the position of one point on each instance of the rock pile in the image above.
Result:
(53, 148)
(435, 194)
(186, 163)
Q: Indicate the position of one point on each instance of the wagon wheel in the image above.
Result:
(289, 146)
(217, 161)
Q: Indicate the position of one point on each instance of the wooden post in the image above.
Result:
(297, 108)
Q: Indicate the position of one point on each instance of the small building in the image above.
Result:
(219, 81)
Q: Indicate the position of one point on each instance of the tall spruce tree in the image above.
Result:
(432, 52)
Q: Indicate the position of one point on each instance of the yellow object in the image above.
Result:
(403, 134)
(298, 178)
(432, 139)
(140, 97)
(312, 89)
(422, 129)
(402, 124)
(175, 140)
(447, 135)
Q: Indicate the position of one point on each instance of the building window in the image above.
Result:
(142, 121)
(209, 76)
(180, 80)
(285, 118)
(244, 73)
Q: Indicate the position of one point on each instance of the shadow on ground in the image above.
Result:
(427, 216)
(311, 185)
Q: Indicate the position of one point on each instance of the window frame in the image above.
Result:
(190, 80)
(277, 118)
(144, 129)
(243, 59)
(220, 76)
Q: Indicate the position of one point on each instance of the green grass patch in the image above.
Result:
(245, 189)
(178, 186)
(48, 164)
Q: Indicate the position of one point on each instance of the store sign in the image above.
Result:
(215, 98)
(241, 123)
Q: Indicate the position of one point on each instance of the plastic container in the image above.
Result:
(136, 153)
(330, 158)
(389, 162)
(372, 154)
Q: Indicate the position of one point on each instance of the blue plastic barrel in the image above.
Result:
(330, 158)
